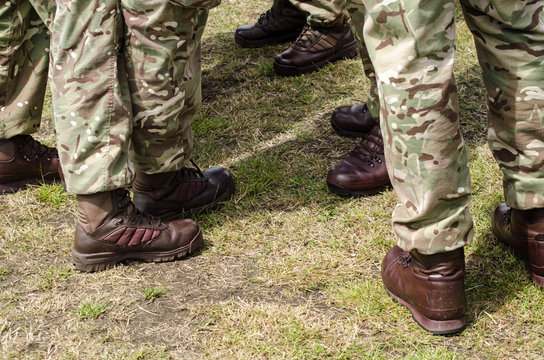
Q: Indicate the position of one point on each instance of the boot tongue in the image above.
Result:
(374, 144)
(371, 144)
(94, 209)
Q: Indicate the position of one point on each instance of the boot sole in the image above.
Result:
(14, 186)
(349, 52)
(347, 133)
(435, 327)
(538, 280)
(252, 44)
(339, 190)
(102, 261)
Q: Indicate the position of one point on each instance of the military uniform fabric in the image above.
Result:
(357, 17)
(412, 47)
(125, 85)
(324, 13)
(24, 42)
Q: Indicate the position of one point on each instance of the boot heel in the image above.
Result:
(436, 327)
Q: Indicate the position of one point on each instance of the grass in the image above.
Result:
(151, 292)
(290, 270)
(51, 195)
(90, 310)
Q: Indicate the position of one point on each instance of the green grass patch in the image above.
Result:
(90, 310)
(151, 292)
(53, 195)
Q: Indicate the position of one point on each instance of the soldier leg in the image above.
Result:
(357, 14)
(91, 100)
(23, 78)
(511, 64)
(412, 47)
(362, 171)
(358, 120)
(23, 68)
(113, 122)
(165, 87)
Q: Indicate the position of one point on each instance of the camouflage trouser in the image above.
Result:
(324, 13)
(357, 19)
(125, 83)
(23, 68)
(412, 46)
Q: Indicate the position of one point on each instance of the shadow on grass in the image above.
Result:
(291, 174)
(494, 276)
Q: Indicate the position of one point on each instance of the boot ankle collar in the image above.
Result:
(444, 263)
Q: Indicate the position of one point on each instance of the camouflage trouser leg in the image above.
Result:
(125, 83)
(23, 68)
(324, 13)
(509, 38)
(357, 16)
(164, 71)
(412, 47)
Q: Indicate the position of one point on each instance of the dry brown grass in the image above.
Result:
(290, 271)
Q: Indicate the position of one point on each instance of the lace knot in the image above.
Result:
(307, 37)
(404, 259)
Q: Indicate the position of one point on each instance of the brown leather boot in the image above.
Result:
(430, 286)
(111, 230)
(282, 23)
(352, 121)
(25, 161)
(315, 48)
(362, 172)
(522, 232)
(185, 192)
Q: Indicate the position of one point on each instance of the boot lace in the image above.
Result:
(271, 13)
(133, 215)
(307, 37)
(369, 155)
(190, 174)
(34, 150)
(266, 17)
(404, 259)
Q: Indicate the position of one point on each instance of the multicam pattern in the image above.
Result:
(324, 13)
(125, 82)
(512, 58)
(121, 71)
(357, 17)
(412, 46)
(23, 68)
